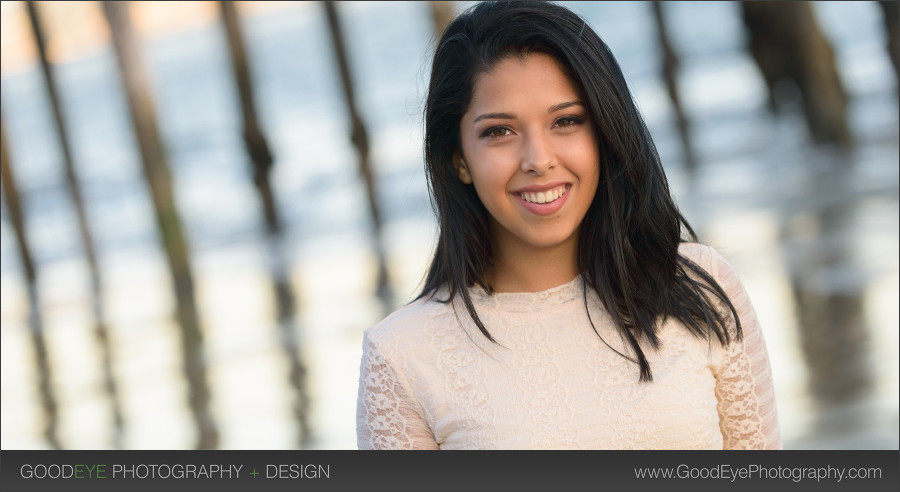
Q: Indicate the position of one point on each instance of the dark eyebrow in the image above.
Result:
(564, 106)
(509, 116)
(495, 116)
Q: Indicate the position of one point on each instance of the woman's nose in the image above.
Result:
(537, 156)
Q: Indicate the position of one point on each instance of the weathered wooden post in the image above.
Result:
(35, 321)
(828, 289)
(360, 139)
(787, 45)
(441, 16)
(84, 228)
(261, 160)
(156, 173)
(891, 11)
(670, 64)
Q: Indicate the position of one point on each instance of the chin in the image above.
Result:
(549, 241)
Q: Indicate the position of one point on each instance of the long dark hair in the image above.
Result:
(628, 240)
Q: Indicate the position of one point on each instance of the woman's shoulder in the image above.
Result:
(707, 257)
(409, 322)
(697, 252)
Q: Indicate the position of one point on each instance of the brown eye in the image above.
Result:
(567, 121)
(496, 132)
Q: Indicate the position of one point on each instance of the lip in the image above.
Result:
(543, 208)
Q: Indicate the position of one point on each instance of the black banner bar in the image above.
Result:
(397, 471)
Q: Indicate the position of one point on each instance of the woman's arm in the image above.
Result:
(387, 417)
(747, 413)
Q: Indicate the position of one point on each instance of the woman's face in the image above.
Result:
(529, 149)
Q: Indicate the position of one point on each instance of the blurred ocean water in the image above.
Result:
(756, 172)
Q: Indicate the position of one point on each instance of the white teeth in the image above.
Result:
(544, 196)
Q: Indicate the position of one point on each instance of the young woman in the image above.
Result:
(568, 304)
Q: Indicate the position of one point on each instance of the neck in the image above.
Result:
(522, 268)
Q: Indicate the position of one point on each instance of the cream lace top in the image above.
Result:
(430, 380)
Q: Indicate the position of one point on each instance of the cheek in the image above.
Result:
(584, 161)
(481, 162)
(492, 171)
(490, 188)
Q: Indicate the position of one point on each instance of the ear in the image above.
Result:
(462, 169)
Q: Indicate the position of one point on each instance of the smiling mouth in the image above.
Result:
(548, 196)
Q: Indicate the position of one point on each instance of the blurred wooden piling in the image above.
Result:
(670, 64)
(891, 11)
(788, 46)
(35, 320)
(828, 287)
(441, 16)
(360, 140)
(87, 240)
(156, 173)
(261, 159)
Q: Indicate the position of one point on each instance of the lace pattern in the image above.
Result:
(386, 417)
(748, 416)
(429, 379)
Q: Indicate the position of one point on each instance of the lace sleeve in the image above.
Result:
(747, 413)
(386, 416)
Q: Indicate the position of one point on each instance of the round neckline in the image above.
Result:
(530, 301)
